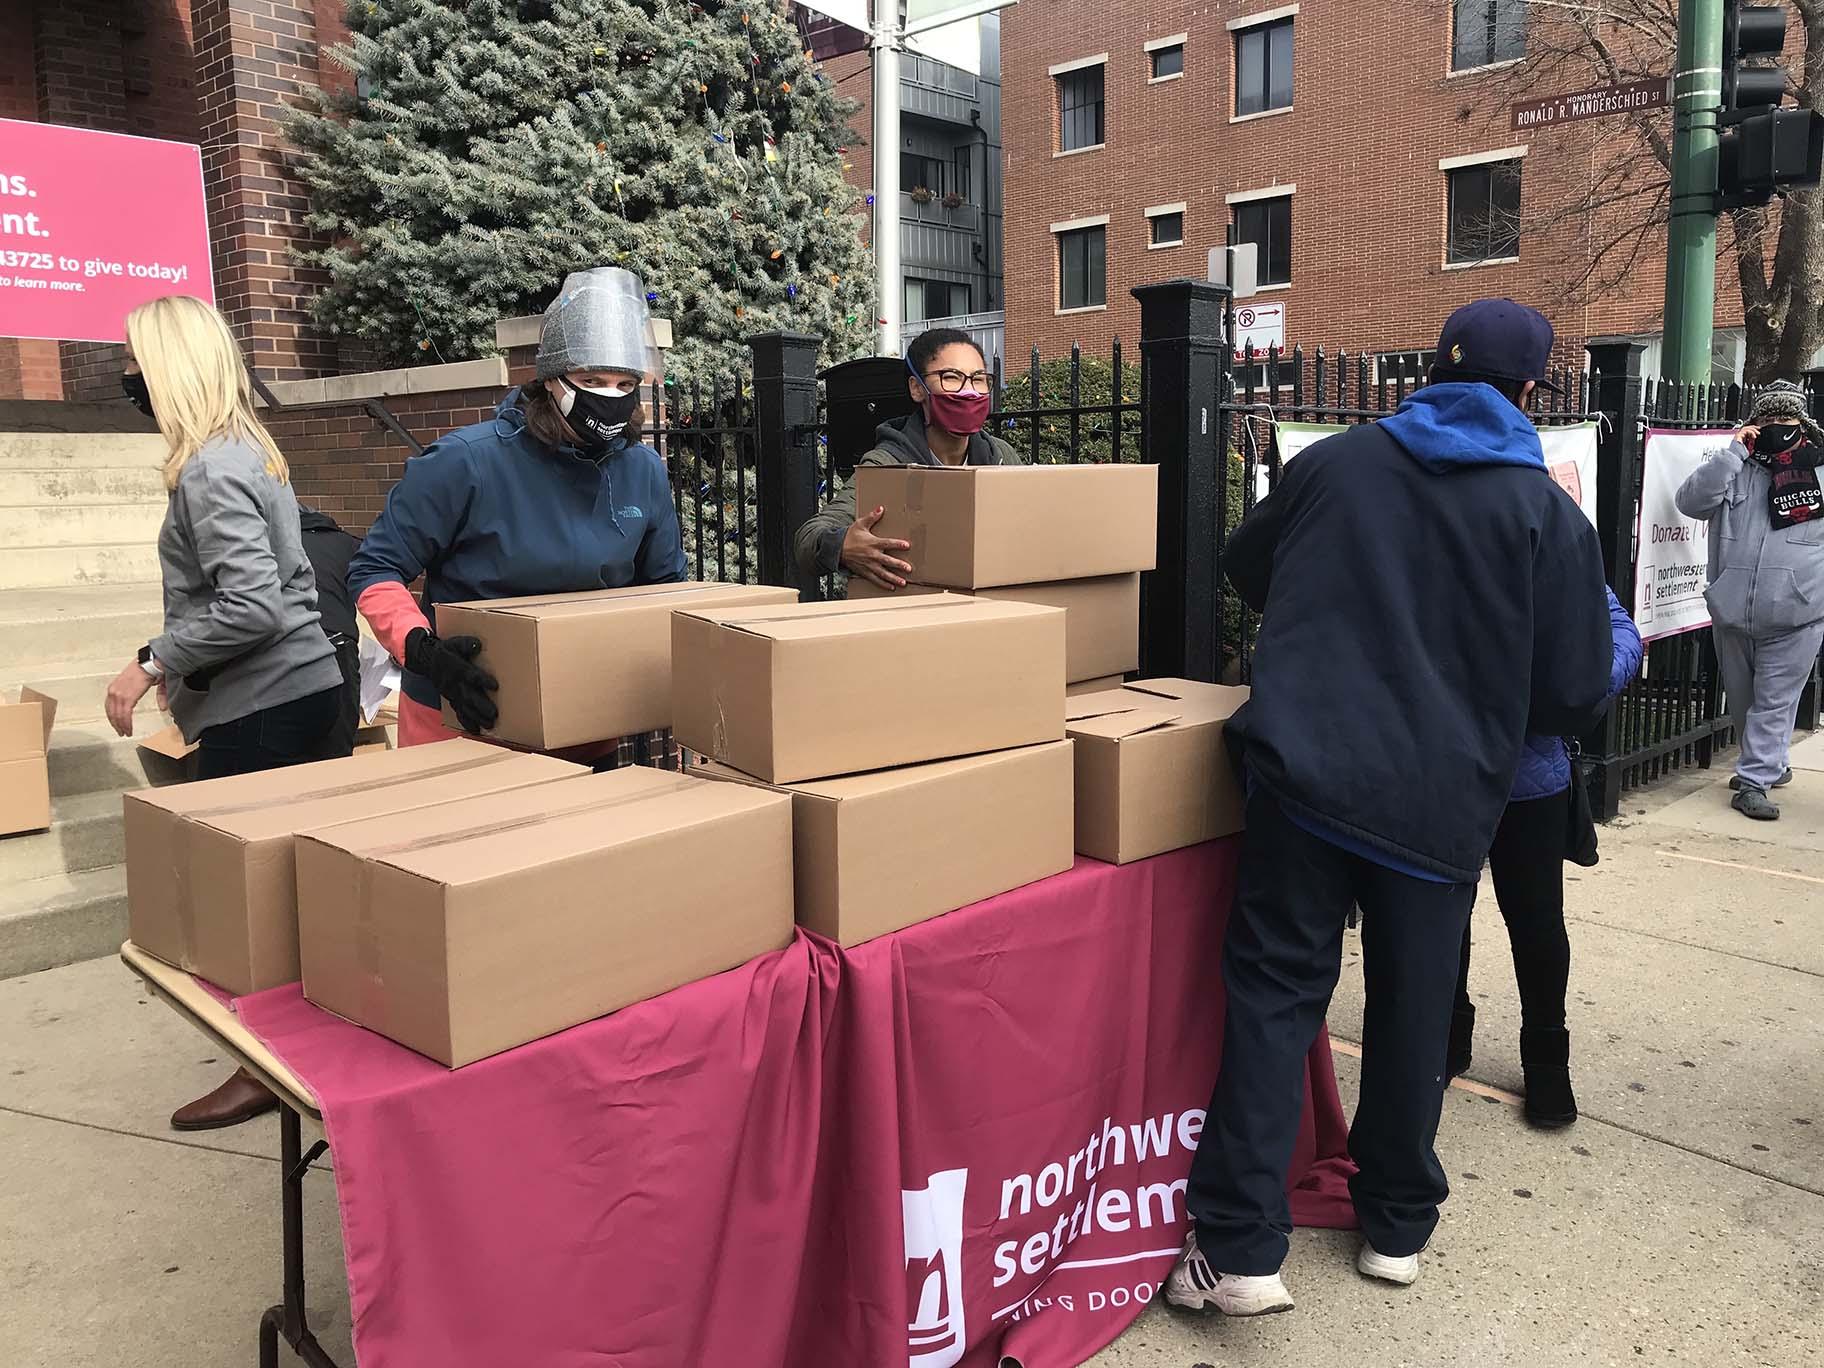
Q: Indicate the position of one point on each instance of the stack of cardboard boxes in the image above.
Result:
(872, 764)
(921, 742)
(1074, 537)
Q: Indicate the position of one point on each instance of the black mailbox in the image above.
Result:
(858, 396)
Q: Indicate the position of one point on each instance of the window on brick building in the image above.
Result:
(1167, 228)
(1168, 61)
(1408, 366)
(1267, 223)
(927, 299)
(1484, 213)
(1082, 268)
(1485, 32)
(1080, 108)
(916, 171)
(1263, 68)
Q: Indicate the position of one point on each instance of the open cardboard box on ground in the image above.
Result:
(210, 886)
(973, 527)
(577, 668)
(25, 774)
(1101, 618)
(874, 853)
(469, 928)
(1152, 771)
(809, 691)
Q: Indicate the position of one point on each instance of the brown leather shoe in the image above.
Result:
(241, 1098)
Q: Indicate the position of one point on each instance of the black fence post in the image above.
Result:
(1182, 348)
(785, 432)
(1617, 393)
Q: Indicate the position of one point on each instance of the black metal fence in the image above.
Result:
(750, 462)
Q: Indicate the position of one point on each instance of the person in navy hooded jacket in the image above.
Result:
(1526, 862)
(1429, 596)
(553, 495)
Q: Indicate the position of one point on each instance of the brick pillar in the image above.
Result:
(251, 55)
(81, 75)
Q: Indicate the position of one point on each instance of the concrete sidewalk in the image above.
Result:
(1680, 1222)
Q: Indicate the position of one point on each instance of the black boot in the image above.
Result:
(1545, 1057)
(1462, 1033)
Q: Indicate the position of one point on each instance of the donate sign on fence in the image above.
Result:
(93, 225)
(1671, 562)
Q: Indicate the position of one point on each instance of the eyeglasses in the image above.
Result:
(956, 381)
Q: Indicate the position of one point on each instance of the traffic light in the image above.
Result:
(1767, 154)
(1752, 33)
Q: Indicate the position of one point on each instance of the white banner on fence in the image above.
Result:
(1570, 456)
(1672, 551)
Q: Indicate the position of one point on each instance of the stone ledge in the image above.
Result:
(489, 372)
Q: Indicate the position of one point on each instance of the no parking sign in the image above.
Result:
(1260, 326)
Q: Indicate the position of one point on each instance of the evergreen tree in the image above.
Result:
(496, 145)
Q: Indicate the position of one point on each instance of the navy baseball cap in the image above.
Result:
(1500, 338)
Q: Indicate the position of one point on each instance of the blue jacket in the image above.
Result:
(1428, 596)
(490, 512)
(1545, 768)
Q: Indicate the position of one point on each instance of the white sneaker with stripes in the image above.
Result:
(1196, 1286)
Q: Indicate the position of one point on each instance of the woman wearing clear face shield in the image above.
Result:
(554, 494)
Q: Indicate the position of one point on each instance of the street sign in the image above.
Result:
(1591, 104)
(1246, 259)
(1260, 326)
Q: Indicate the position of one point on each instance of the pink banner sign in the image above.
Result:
(92, 225)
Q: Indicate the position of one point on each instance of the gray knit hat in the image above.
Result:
(1783, 402)
(598, 321)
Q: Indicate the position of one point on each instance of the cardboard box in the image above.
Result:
(1101, 618)
(209, 865)
(1089, 686)
(972, 527)
(1152, 771)
(167, 758)
(875, 853)
(25, 769)
(575, 668)
(808, 691)
(469, 928)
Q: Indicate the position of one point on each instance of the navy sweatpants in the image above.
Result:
(1280, 965)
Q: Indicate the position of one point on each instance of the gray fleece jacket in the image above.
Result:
(240, 599)
(1764, 580)
(902, 442)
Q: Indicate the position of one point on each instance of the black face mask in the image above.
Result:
(1777, 437)
(597, 419)
(133, 384)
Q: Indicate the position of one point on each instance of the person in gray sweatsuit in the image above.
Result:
(1762, 498)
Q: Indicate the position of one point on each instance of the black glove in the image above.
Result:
(451, 668)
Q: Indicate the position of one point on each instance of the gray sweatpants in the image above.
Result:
(1764, 677)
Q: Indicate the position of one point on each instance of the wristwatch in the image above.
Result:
(148, 664)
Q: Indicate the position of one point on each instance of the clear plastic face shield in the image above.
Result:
(599, 322)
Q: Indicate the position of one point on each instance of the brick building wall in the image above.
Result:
(1375, 109)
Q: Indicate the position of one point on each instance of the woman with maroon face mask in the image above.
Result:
(947, 378)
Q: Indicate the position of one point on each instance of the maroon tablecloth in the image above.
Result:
(958, 1143)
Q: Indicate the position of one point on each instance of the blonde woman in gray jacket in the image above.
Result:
(242, 663)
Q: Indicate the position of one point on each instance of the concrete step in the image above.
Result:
(67, 450)
(60, 525)
(41, 567)
(86, 833)
(61, 919)
(79, 686)
(87, 757)
(81, 485)
(40, 627)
